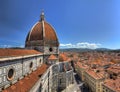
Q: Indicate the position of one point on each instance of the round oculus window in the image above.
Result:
(11, 73)
(50, 49)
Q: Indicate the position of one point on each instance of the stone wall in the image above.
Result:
(50, 50)
(39, 46)
(55, 80)
(14, 69)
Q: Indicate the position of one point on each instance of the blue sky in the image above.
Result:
(78, 23)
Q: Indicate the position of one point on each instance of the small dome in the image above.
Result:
(42, 31)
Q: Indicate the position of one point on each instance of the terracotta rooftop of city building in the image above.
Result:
(63, 57)
(42, 31)
(52, 57)
(113, 84)
(114, 69)
(81, 65)
(95, 73)
(99, 62)
(16, 52)
(25, 84)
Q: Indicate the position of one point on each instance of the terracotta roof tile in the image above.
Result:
(37, 32)
(81, 65)
(52, 57)
(50, 32)
(63, 57)
(95, 74)
(25, 84)
(16, 52)
(113, 84)
(114, 69)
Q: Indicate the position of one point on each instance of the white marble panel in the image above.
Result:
(0, 79)
(4, 78)
(4, 70)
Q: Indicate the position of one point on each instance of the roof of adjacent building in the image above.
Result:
(16, 52)
(25, 84)
(63, 57)
(114, 69)
(96, 74)
(82, 65)
(42, 31)
(52, 57)
(113, 84)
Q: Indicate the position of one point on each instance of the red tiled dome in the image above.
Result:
(42, 31)
(36, 32)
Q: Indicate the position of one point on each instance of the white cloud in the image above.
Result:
(9, 46)
(21, 46)
(5, 46)
(81, 45)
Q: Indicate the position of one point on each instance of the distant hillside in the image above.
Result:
(84, 49)
(76, 49)
(117, 51)
(103, 49)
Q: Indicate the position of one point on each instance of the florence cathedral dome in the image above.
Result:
(42, 33)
